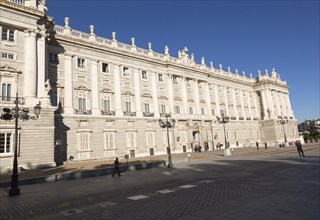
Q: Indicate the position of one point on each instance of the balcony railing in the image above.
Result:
(233, 118)
(145, 114)
(163, 114)
(82, 112)
(241, 118)
(11, 100)
(19, 2)
(129, 113)
(108, 112)
(248, 118)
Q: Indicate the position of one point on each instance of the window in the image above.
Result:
(126, 71)
(132, 153)
(146, 107)
(82, 102)
(7, 56)
(160, 77)
(202, 111)
(109, 140)
(106, 104)
(81, 63)
(53, 58)
(177, 109)
(190, 110)
(5, 92)
(144, 74)
(162, 108)
(131, 139)
(128, 106)
(243, 134)
(174, 80)
(83, 141)
(105, 67)
(6, 142)
(150, 138)
(7, 34)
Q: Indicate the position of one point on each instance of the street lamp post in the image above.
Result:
(282, 122)
(224, 120)
(23, 114)
(168, 124)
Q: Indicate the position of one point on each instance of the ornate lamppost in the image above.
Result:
(168, 124)
(23, 114)
(224, 120)
(282, 122)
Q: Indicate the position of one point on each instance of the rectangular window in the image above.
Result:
(5, 92)
(128, 106)
(162, 109)
(106, 105)
(150, 138)
(83, 141)
(105, 67)
(81, 63)
(202, 111)
(177, 109)
(144, 74)
(190, 110)
(7, 56)
(53, 58)
(146, 108)
(131, 139)
(6, 142)
(82, 103)
(109, 140)
(160, 77)
(126, 71)
(132, 153)
(7, 34)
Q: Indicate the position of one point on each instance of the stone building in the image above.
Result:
(101, 98)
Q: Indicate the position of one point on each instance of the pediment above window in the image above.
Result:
(146, 95)
(83, 88)
(107, 91)
(190, 100)
(8, 70)
(177, 99)
(203, 102)
(162, 97)
(128, 93)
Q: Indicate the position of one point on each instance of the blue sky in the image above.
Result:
(245, 35)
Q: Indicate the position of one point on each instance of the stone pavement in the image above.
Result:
(84, 169)
(265, 184)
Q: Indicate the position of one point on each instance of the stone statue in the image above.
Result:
(202, 61)
(149, 45)
(192, 57)
(166, 50)
(47, 87)
(66, 22)
(114, 36)
(179, 54)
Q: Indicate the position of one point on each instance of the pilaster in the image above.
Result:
(184, 106)
(234, 104)
(94, 88)
(216, 95)
(242, 104)
(68, 90)
(226, 101)
(137, 92)
(249, 104)
(170, 94)
(117, 89)
(196, 97)
(208, 101)
(154, 95)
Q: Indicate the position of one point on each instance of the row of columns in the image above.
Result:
(116, 69)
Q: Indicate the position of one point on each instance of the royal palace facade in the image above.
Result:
(101, 98)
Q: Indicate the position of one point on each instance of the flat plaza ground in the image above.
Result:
(273, 183)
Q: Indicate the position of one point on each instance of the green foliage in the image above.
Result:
(313, 134)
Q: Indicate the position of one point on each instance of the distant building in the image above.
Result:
(307, 124)
(101, 98)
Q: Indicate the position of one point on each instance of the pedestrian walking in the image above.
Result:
(299, 148)
(265, 145)
(257, 144)
(116, 167)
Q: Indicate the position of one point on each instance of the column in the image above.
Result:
(216, 95)
(94, 88)
(137, 94)
(242, 105)
(184, 107)
(206, 84)
(234, 104)
(284, 106)
(249, 104)
(289, 105)
(153, 77)
(256, 105)
(196, 97)
(226, 101)
(170, 94)
(117, 89)
(271, 104)
(276, 93)
(68, 87)
(41, 56)
(264, 105)
(30, 67)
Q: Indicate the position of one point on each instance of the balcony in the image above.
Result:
(145, 114)
(241, 118)
(82, 112)
(248, 118)
(163, 114)
(233, 118)
(129, 113)
(108, 112)
(255, 119)
(11, 100)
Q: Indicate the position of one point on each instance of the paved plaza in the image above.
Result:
(273, 183)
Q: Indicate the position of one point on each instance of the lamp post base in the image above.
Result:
(14, 191)
(227, 152)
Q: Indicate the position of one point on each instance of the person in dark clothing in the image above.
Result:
(299, 148)
(116, 167)
(257, 144)
(265, 145)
